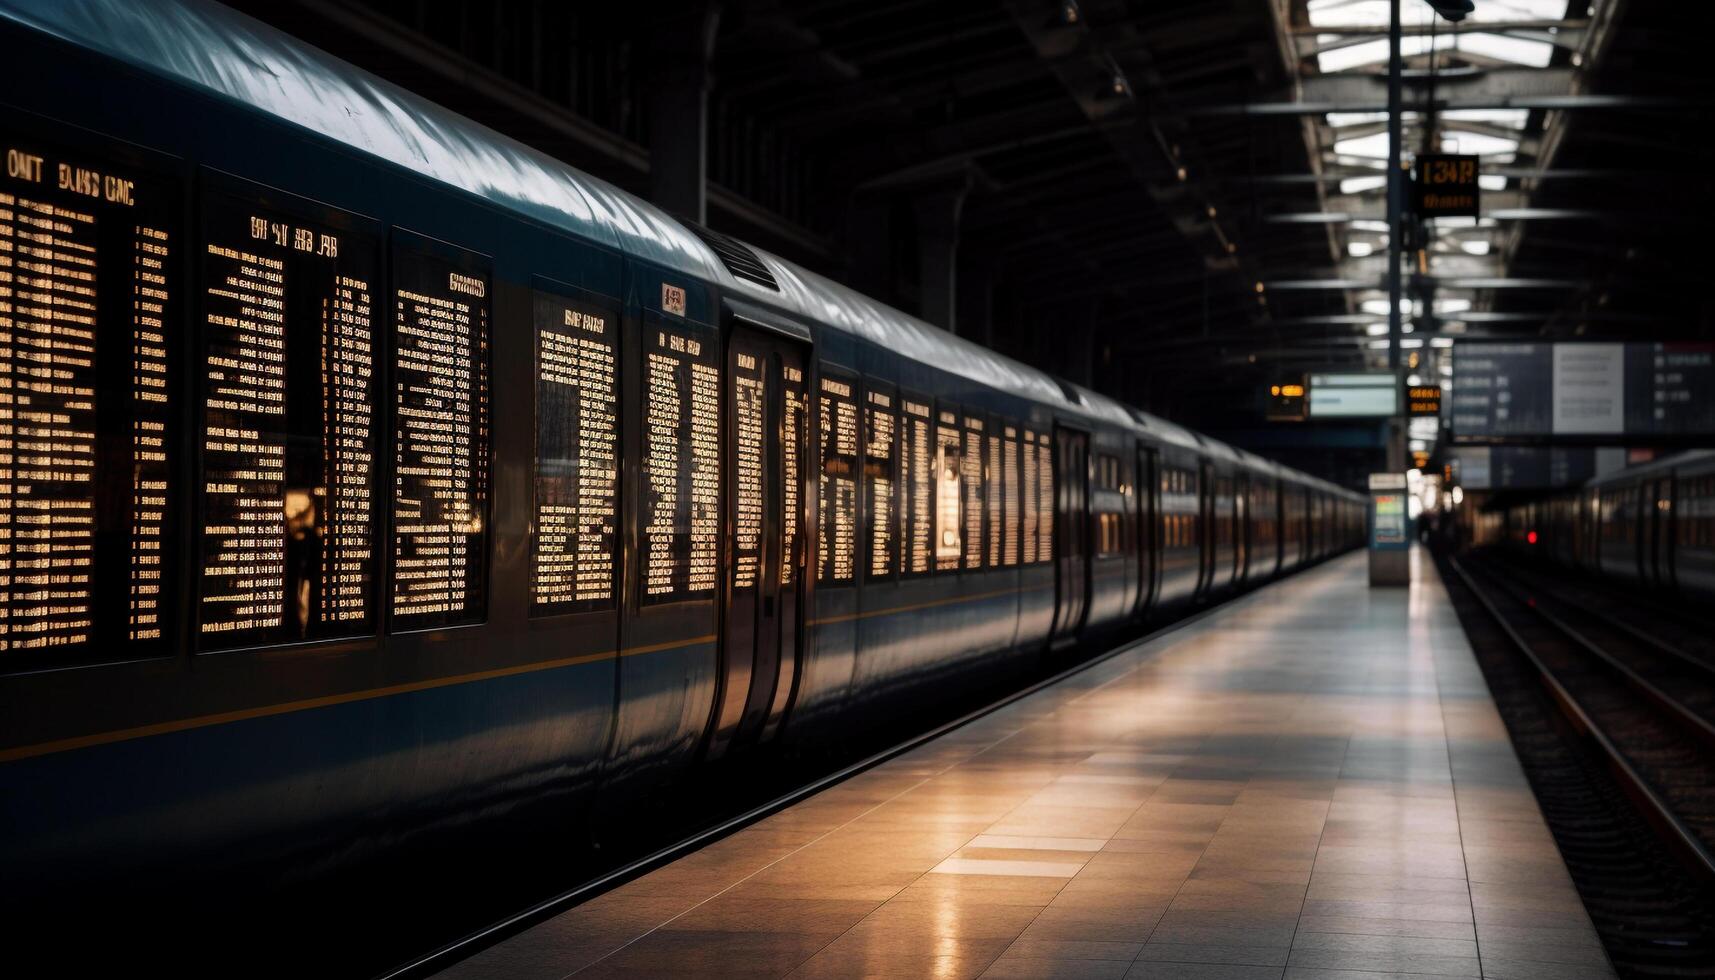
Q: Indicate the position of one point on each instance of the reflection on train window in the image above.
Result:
(290, 391)
(948, 493)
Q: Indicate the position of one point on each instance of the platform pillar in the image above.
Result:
(682, 45)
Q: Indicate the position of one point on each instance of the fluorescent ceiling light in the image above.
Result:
(1376, 329)
(1359, 250)
(1491, 182)
(1357, 185)
(1475, 246)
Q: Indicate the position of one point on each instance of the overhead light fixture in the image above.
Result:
(1069, 12)
(1453, 10)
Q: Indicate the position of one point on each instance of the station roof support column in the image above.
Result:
(682, 45)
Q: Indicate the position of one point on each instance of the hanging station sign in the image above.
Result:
(1444, 185)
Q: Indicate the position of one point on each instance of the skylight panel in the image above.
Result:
(1503, 47)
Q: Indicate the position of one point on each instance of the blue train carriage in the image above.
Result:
(440, 483)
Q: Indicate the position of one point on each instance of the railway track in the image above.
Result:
(1611, 728)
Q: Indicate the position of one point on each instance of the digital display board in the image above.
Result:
(681, 461)
(576, 531)
(1502, 389)
(1583, 389)
(1366, 395)
(881, 436)
(837, 559)
(917, 478)
(90, 327)
(290, 383)
(1423, 401)
(440, 322)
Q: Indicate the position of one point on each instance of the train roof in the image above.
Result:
(1690, 458)
(221, 51)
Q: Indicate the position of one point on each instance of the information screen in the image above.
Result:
(948, 493)
(577, 454)
(681, 461)
(440, 437)
(289, 392)
(1353, 395)
(1670, 388)
(880, 441)
(1502, 389)
(917, 477)
(89, 330)
(971, 476)
(837, 559)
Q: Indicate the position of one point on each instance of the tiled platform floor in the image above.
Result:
(1311, 783)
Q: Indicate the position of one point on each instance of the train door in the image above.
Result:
(1072, 554)
(766, 439)
(1206, 527)
(1148, 506)
(1661, 540)
(1241, 527)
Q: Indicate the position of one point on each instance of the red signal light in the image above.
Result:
(1531, 537)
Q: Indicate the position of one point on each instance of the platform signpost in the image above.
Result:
(1390, 531)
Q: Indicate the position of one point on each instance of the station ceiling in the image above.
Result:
(1176, 200)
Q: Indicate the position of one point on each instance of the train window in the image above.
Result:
(794, 423)
(575, 534)
(440, 435)
(1030, 494)
(971, 475)
(994, 485)
(836, 560)
(881, 447)
(89, 337)
(1011, 496)
(1045, 498)
(917, 481)
(289, 389)
(949, 481)
(679, 500)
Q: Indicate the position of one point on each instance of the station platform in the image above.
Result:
(1310, 782)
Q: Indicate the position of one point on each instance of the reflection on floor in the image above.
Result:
(1311, 783)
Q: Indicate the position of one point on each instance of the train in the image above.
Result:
(376, 476)
(1650, 526)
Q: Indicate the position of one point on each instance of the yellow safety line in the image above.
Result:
(286, 707)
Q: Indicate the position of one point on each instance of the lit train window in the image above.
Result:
(1011, 496)
(994, 471)
(971, 475)
(575, 533)
(90, 335)
(1045, 499)
(1030, 493)
(881, 453)
(679, 503)
(949, 477)
(917, 485)
(439, 348)
(836, 560)
(290, 385)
